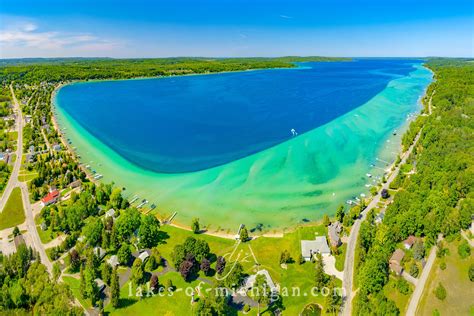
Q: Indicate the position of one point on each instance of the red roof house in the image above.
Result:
(50, 198)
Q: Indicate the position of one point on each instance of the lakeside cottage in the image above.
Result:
(113, 261)
(395, 262)
(334, 229)
(310, 247)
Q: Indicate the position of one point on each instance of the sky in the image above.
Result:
(236, 28)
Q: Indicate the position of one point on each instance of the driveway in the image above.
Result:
(330, 267)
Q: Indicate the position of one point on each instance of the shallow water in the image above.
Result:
(294, 180)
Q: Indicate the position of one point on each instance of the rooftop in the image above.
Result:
(309, 247)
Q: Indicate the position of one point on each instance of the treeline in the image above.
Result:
(27, 288)
(438, 197)
(90, 69)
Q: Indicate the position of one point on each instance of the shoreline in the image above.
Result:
(272, 232)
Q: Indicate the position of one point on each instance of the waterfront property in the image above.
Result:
(309, 248)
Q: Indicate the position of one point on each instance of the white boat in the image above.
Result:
(368, 175)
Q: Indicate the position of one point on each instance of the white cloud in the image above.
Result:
(27, 40)
(285, 17)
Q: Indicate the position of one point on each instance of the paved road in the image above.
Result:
(351, 244)
(415, 298)
(13, 181)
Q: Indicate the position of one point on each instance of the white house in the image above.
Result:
(310, 247)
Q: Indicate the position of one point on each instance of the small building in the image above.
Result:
(3, 157)
(18, 240)
(113, 261)
(75, 184)
(56, 147)
(100, 284)
(32, 149)
(110, 213)
(144, 255)
(30, 157)
(409, 242)
(99, 252)
(395, 262)
(334, 229)
(379, 218)
(50, 198)
(310, 247)
(250, 281)
(27, 119)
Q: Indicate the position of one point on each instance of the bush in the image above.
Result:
(440, 292)
(442, 265)
(403, 286)
(464, 250)
(471, 272)
(414, 271)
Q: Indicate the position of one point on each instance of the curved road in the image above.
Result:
(352, 242)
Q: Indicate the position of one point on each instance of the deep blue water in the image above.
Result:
(189, 123)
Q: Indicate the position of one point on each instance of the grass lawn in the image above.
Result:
(263, 249)
(25, 176)
(391, 291)
(460, 291)
(170, 303)
(74, 286)
(341, 257)
(45, 235)
(13, 213)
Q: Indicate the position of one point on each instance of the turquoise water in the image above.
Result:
(190, 123)
(294, 180)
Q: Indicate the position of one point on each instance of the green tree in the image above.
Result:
(464, 250)
(326, 220)
(195, 225)
(244, 234)
(333, 300)
(320, 278)
(138, 274)
(149, 231)
(418, 250)
(261, 291)
(115, 289)
(340, 213)
(124, 254)
(471, 272)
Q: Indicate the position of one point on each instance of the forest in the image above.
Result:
(58, 70)
(438, 197)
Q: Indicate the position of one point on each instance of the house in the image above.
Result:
(395, 262)
(99, 252)
(30, 158)
(409, 242)
(56, 147)
(250, 281)
(310, 247)
(333, 232)
(110, 213)
(50, 198)
(100, 284)
(379, 218)
(18, 240)
(32, 149)
(75, 184)
(113, 261)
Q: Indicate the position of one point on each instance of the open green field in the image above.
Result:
(261, 249)
(13, 214)
(460, 291)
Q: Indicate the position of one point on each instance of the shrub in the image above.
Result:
(414, 271)
(442, 265)
(471, 272)
(440, 292)
(403, 286)
(464, 250)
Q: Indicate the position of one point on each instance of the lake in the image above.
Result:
(268, 148)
